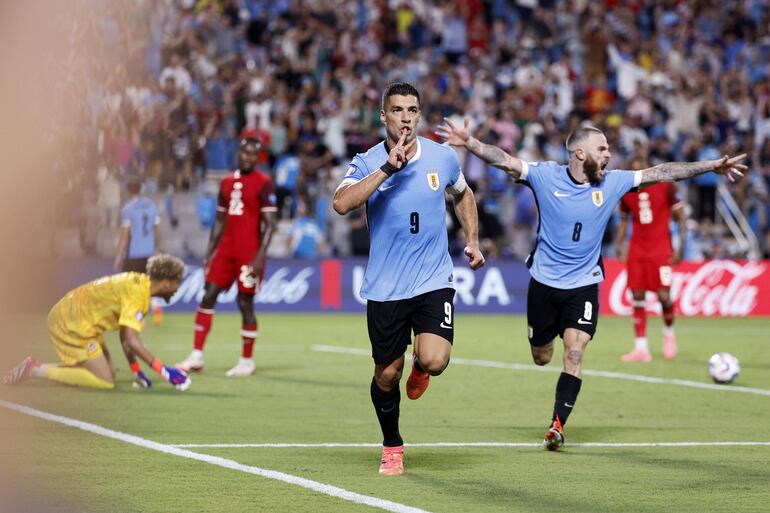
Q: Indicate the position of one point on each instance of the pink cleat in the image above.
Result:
(417, 383)
(669, 346)
(637, 355)
(21, 372)
(392, 463)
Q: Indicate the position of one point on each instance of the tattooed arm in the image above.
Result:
(675, 171)
(490, 154)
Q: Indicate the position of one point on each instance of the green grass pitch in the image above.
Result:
(312, 387)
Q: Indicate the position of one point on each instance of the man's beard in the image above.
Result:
(591, 169)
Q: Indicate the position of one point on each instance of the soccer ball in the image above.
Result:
(724, 367)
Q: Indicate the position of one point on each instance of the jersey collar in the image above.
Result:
(416, 153)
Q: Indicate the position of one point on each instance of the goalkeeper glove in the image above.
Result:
(177, 378)
(140, 379)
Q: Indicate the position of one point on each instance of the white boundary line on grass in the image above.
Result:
(315, 486)
(483, 444)
(528, 367)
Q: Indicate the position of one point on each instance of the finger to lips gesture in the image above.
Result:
(730, 166)
(397, 156)
(453, 134)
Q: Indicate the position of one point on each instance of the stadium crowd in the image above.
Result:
(179, 81)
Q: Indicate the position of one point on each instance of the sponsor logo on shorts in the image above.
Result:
(581, 321)
(445, 326)
(139, 315)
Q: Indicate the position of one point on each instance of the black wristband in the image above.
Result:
(389, 168)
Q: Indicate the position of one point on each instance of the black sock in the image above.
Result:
(416, 364)
(386, 404)
(567, 390)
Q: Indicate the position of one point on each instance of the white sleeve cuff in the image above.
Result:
(637, 178)
(459, 186)
(347, 181)
(524, 170)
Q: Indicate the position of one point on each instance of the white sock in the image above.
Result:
(197, 353)
(640, 343)
(668, 330)
(39, 371)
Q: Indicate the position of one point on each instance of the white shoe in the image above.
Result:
(193, 363)
(244, 367)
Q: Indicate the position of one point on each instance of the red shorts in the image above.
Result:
(224, 268)
(647, 274)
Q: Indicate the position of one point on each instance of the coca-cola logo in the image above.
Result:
(717, 287)
(279, 287)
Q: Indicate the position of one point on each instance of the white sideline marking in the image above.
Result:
(587, 372)
(486, 444)
(315, 486)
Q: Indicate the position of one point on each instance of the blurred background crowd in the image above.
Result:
(177, 82)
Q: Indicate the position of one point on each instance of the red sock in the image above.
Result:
(203, 319)
(668, 315)
(640, 319)
(248, 334)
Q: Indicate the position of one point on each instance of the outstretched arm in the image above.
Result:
(490, 154)
(465, 208)
(675, 171)
(133, 345)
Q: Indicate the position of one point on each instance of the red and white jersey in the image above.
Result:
(651, 209)
(243, 198)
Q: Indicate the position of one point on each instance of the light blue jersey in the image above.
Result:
(409, 253)
(141, 216)
(573, 218)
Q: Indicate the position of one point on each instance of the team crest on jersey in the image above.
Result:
(433, 181)
(597, 197)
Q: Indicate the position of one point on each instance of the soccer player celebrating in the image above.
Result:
(575, 202)
(650, 257)
(118, 302)
(408, 281)
(237, 250)
(139, 236)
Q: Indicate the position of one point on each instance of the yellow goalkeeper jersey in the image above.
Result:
(104, 304)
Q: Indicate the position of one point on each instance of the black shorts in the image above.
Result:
(391, 323)
(550, 311)
(137, 265)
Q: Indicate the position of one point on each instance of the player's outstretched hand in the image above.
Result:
(731, 167)
(141, 380)
(454, 135)
(178, 379)
(475, 257)
(397, 156)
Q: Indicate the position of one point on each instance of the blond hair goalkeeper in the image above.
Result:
(118, 302)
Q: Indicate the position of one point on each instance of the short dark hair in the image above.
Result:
(579, 135)
(133, 185)
(400, 88)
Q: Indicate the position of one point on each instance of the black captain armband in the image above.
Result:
(389, 168)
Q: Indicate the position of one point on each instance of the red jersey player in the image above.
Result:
(237, 249)
(650, 257)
